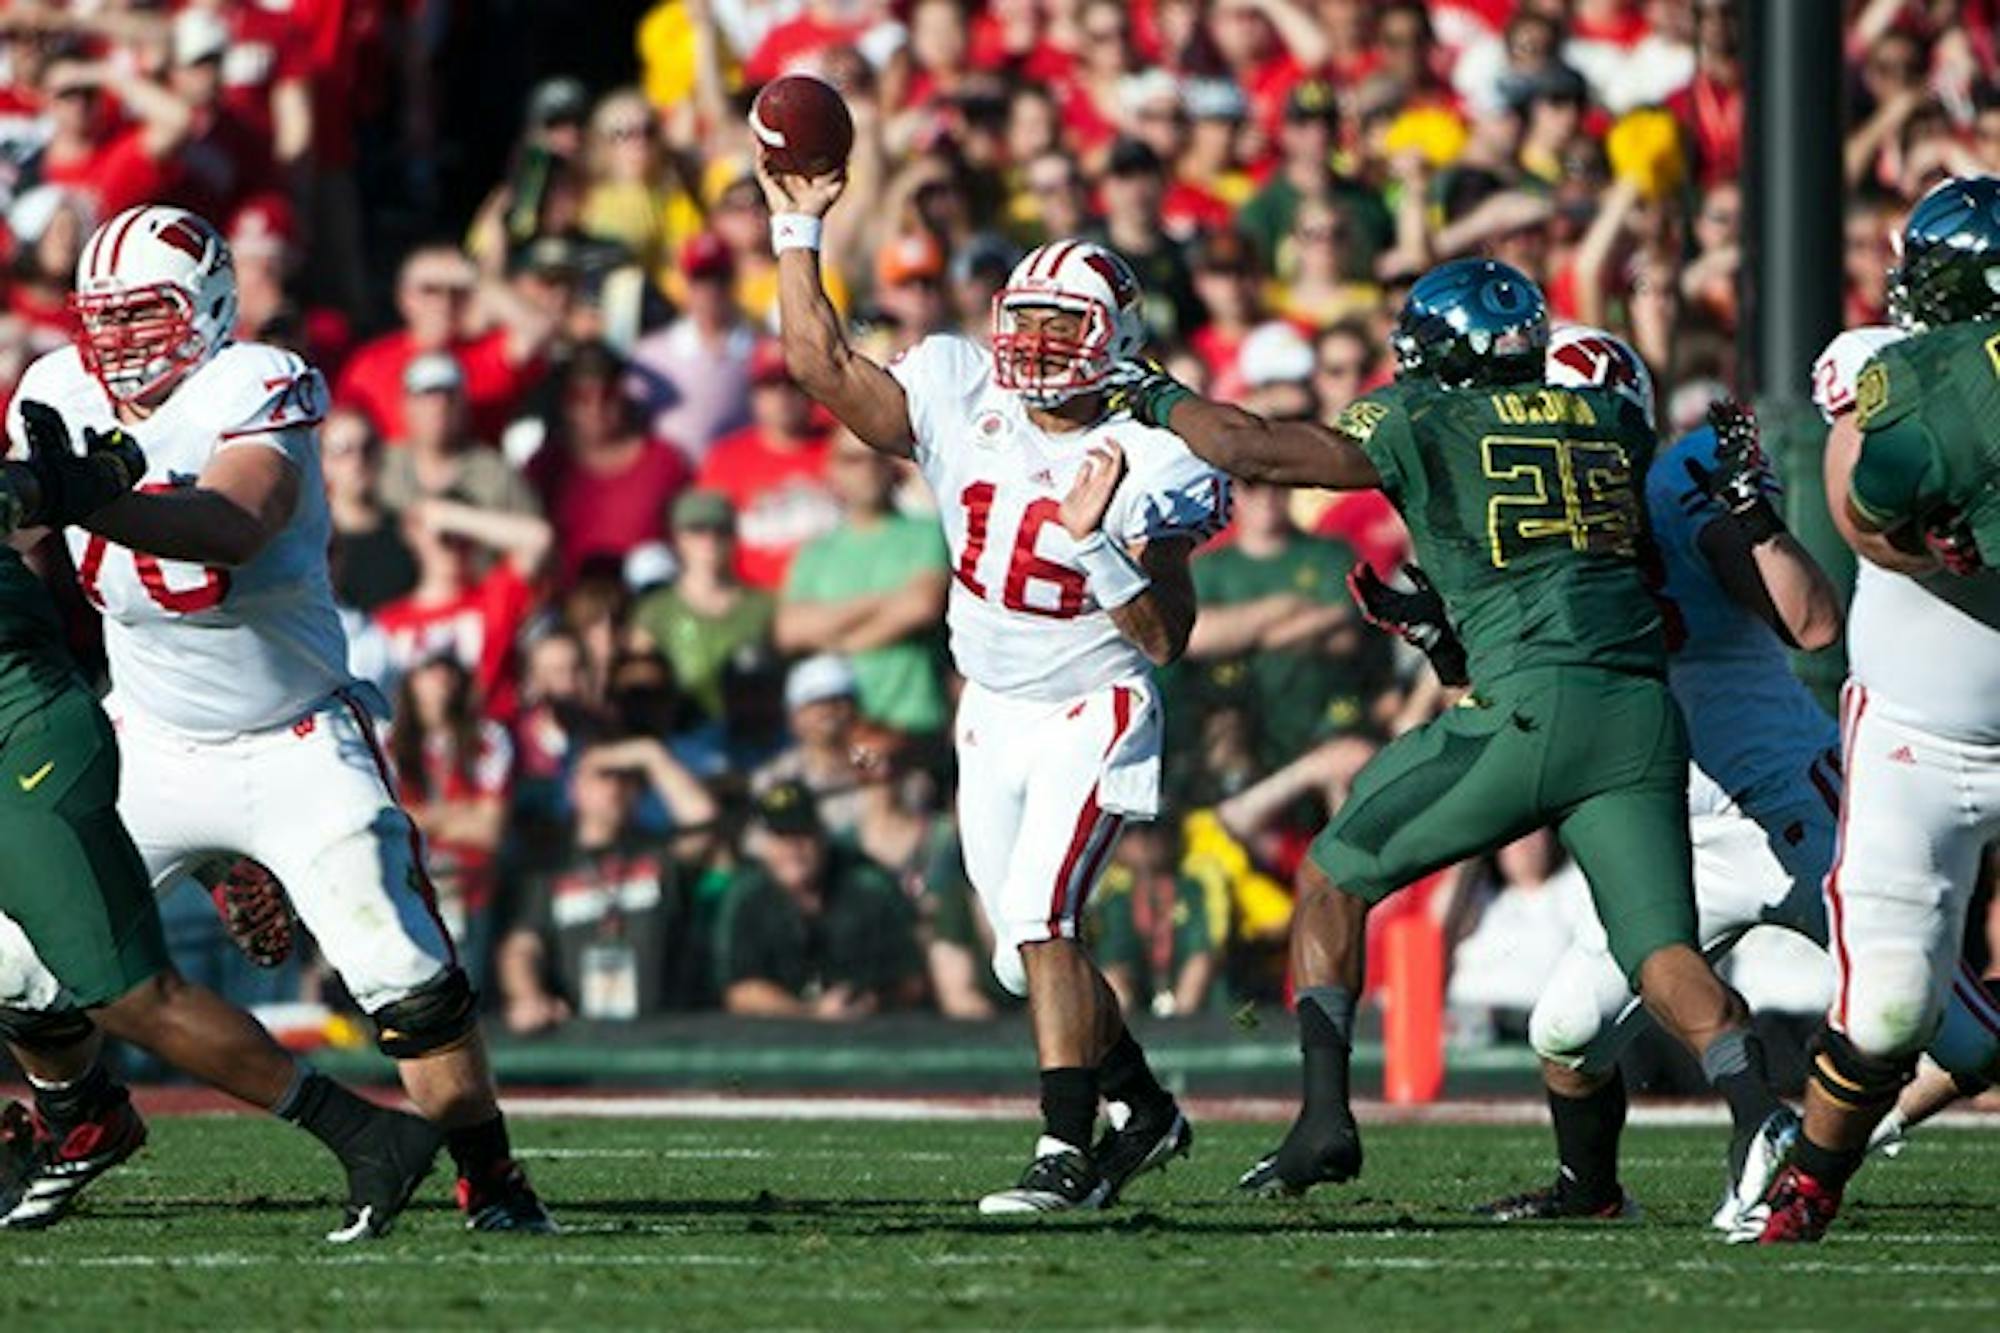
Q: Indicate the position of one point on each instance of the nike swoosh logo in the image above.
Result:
(30, 781)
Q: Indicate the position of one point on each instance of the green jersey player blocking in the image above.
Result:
(1522, 503)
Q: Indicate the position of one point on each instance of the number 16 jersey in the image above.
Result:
(1023, 621)
(1523, 504)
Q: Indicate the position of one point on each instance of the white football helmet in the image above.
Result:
(1581, 357)
(1085, 279)
(155, 298)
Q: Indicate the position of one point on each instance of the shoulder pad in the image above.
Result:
(254, 389)
(1837, 372)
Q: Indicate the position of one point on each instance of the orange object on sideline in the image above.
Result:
(1413, 1010)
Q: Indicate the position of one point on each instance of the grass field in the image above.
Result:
(804, 1224)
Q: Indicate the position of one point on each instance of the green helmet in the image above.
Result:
(1948, 271)
(1472, 321)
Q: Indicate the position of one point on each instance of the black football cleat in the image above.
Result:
(1319, 1155)
(1554, 1204)
(383, 1172)
(1061, 1179)
(254, 912)
(58, 1170)
(504, 1201)
(1132, 1145)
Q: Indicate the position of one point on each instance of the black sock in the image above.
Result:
(1831, 1167)
(1326, 1039)
(480, 1150)
(1734, 1064)
(1126, 1077)
(1069, 1105)
(64, 1108)
(1587, 1130)
(330, 1113)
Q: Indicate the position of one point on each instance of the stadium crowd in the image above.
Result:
(665, 649)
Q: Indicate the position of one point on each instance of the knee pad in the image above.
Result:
(1563, 1028)
(1009, 970)
(437, 1016)
(1853, 1080)
(44, 1029)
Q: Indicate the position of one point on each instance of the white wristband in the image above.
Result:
(1115, 577)
(794, 231)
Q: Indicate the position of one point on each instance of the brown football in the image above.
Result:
(803, 126)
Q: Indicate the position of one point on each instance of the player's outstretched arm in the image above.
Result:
(1243, 444)
(862, 395)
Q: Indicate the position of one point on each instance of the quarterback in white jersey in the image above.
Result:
(241, 730)
(1070, 530)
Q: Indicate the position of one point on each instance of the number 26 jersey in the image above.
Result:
(1022, 619)
(1524, 505)
(207, 651)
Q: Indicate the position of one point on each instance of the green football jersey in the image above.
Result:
(1524, 506)
(34, 663)
(1929, 409)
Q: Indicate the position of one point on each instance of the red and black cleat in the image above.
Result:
(504, 1201)
(58, 1170)
(1801, 1208)
(252, 906)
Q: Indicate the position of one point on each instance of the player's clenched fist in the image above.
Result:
(1090, 494)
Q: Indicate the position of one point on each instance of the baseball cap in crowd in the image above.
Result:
(984, 255)
(915, 256)
(433, 372)
(767, 363)
(819, 678)
(1312, 99)
(788, 809)
(650, 565)
(558, 101)
(198, 35)
(700, 510)
(264, 224)
(1214, 99)
(705, 256)
(1134, 157)
(1275, 353)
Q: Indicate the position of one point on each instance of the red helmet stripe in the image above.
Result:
(1059, 253)
(118, 241)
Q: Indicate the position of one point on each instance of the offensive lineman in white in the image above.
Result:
(1764, 790)
(1070, 533)
(241, 730)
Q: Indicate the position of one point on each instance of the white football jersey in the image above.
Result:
(206, 651)
(1754, 730)
(1023, 622)
(1927, 649)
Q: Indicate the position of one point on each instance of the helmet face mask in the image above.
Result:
(155, 298)
(1090, 297)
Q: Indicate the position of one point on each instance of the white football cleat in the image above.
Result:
(1061, 1179)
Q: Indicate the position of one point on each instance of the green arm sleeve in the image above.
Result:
(1897, 476)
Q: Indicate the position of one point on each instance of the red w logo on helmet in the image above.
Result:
(185, 237)
(1116, 276)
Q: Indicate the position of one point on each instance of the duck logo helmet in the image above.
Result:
(1472, 321)
(1081, 278)
(1581, 357)
(1948, 256)
(155, 298)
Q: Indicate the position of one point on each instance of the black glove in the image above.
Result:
(1741, 481)
(1417, 617)
(1147, 391)
(1949, 537)
(74, 486)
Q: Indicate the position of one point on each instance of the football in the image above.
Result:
(803, 125)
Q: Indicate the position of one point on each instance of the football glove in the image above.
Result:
(1741, 480)
(1949, 537)
(1416, 617)
(74, 486)
(1145, 389)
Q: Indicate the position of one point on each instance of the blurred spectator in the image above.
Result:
(434, 294)
(264, 242)
(604, 929)
(49, 225)
(436, 455)
(453, 771)
(1552, 103)
(1868, 252)
(1710, 107)
(1156, 932)
(634, 195)
(821, 709)
(873, 591)
(1055, 185)
(372, 563)
(1134, 188)
(707, 615)
(1708, 282)
(811, 930)
(773, 472)
(909, 288)
(697, 369)
(1305, 171)
(1523, 912)
(455, 608)
(605, 484)
(1278, 598)
(225, 159)
(979, 270)
(559, 709)
(94, 149)
(1226, 280)
(1313, 288)
(917, 844)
